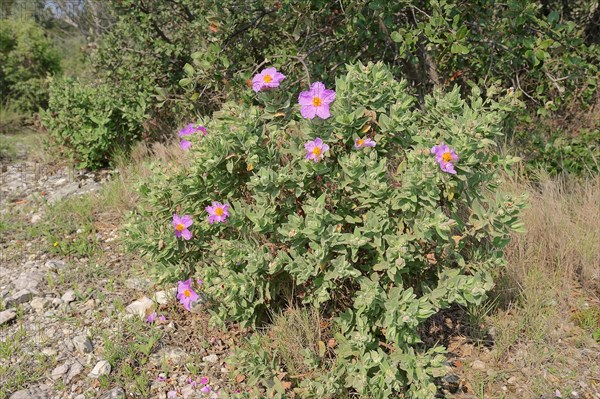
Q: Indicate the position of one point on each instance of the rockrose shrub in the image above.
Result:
(381, 214)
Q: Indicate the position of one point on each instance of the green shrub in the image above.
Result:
(28, 59)
(211, 48)
(378, 238)
(189, 57)
(7, 149)
(577, 154)
(89, 123)
(433, 43)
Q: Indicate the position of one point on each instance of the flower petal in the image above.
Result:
(328, 96)
(308, 111)
(323, 111)
(305, 98)
(185, 144)
(317, 88)
(187, 221)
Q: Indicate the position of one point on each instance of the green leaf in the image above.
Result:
(185, 82)
(397, 37)
(189, 70)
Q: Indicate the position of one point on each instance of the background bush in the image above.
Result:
(28, 60)
(189, 57)
(91, 122)
(379, 239)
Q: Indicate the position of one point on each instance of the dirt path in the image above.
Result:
(73, 312)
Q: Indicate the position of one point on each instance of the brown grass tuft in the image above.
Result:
(562, 244)
(293, 334)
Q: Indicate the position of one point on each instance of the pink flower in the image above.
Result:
(316, 101)
(191, 382)
(186, 294)
(162, 318)
(191, 129)
(445, 157)
(361, 143)
(205, 389)
(267, 79)
(217, 212)
(188, 131)
(315, 150)
(181, 225)
(200, 281)
(152, 317)
(204, 380)
(185, 145)
(161, 378)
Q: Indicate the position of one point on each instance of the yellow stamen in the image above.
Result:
(317, 101)
(219, 211)
(180, 227)
(267, 78)
(187, 293)
(447, 157)
(316, 151)
(360, 142)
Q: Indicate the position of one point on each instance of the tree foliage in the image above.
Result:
(29, 59)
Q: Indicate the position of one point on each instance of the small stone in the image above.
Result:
(60, 371)
(23, 394)
(137, 283)
(39, 304)
(101, 368)
(79, 397)
(74, 371)
(68, 296)
(7, 315)
(83, 344)
(90, 304)
(176, 356)
(162, 297)
(574, 394)
(19, 298)
(212, 358)
(512, 380)
(35, 218)
(28, 280)
(49, 352)
(478, 365)
(451, 383)
(115, 393)
(55, 264)
(29, 394)
(140, 307)
(187, 391)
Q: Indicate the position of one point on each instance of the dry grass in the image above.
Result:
(552, 274)
(120, 195)
(562, 243)
(294, 334)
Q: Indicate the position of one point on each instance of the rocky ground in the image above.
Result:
(73, 323)
(74, 305)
